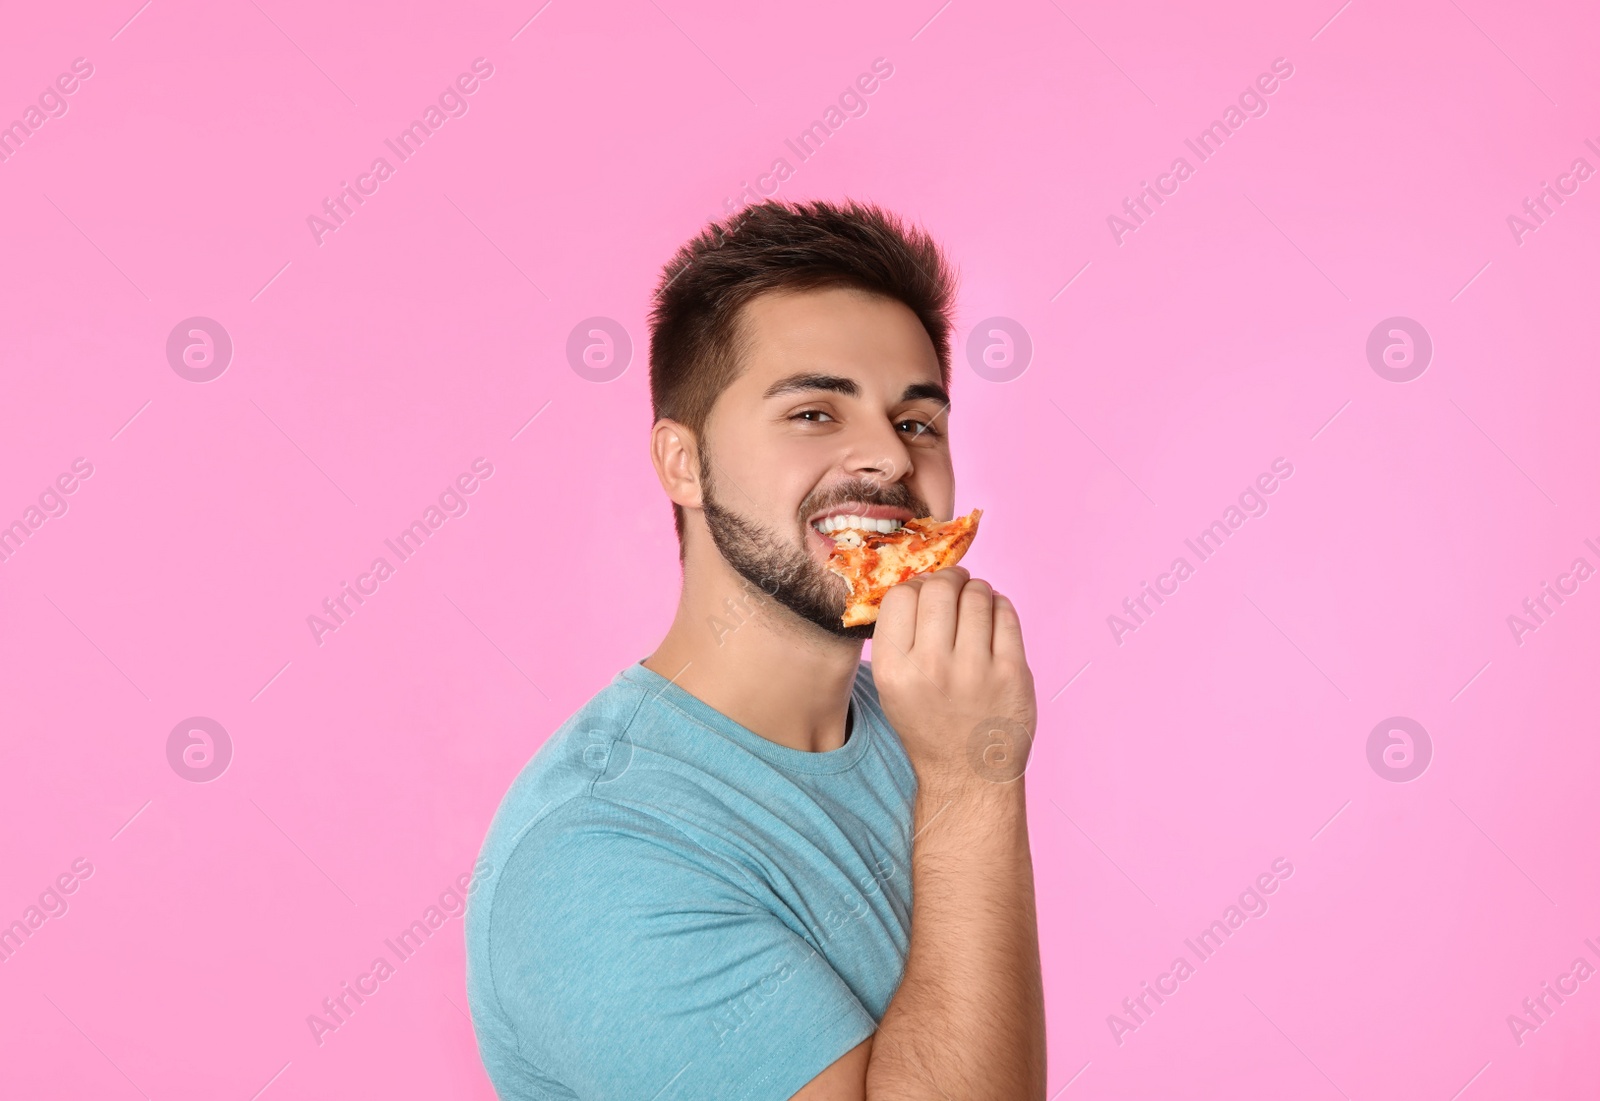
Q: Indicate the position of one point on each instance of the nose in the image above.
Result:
(879, 455)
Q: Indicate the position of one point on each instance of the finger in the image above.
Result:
(936, 608)
(975, 628)
(1007, 630)
(897, 618)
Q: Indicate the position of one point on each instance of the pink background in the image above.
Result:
(369, 371)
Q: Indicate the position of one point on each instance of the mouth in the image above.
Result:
(857, 516)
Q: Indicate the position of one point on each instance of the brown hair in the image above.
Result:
(696, 340)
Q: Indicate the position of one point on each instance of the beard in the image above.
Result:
(785, 571)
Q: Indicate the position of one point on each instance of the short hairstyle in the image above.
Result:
(696, 337)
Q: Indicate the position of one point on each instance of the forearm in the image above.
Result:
(968, 1018)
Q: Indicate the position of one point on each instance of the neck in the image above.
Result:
(738, 650)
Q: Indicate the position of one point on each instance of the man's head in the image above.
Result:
(799, 367)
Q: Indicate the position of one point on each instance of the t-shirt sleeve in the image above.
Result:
(634, 964)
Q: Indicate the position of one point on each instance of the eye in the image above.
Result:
(806, 414)
(917, 427)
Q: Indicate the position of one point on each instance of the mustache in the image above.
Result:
(891, 495)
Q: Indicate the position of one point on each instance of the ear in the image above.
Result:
(676, 455)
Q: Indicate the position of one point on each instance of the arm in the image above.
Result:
(968, 1018)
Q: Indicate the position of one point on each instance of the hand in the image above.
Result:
(953, 679)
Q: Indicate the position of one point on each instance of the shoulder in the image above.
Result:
(569, 838)
(575, 755)
(548, 801)
(590, 858)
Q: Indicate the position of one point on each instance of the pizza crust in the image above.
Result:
(883, 560)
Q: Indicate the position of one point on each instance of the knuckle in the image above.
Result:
(896, 596)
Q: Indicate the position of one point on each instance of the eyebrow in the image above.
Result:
(932, 391)
(838, 384)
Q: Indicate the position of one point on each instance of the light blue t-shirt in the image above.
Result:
(679, 908)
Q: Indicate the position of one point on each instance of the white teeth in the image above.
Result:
(859, 523)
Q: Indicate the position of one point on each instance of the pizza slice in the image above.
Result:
(871, 562)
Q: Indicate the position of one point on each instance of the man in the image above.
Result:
(703, 881)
